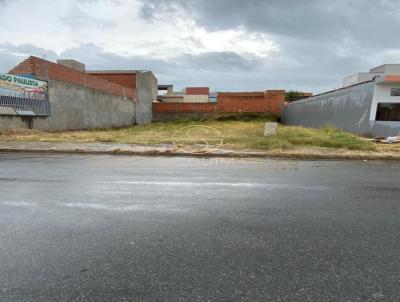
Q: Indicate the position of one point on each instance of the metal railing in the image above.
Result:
(24, 106)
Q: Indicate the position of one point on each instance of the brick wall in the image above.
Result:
(185, 108)
(46, 70)
(197, 90)
(270, 101)
(124, 79)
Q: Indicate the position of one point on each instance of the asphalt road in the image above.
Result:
(116, 228)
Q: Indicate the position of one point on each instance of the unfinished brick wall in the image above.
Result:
(198, 90)
(46, 70)
(270, 101)
(124, 79)
(185, 108)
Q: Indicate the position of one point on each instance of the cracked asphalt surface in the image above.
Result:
(121, 228)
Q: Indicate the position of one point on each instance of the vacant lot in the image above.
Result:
(233, 134)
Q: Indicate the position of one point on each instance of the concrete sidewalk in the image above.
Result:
(171, 150)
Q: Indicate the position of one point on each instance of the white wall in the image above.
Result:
(393, 69)
(187, 99)
(358, 78)
(382, 95)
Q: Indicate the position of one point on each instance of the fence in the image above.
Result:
(11, 105)
(265, 102)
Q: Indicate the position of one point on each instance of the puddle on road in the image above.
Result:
(185, 183)
(18, 204)
(100, 206)
(33, 180)
(215, 184)
(122, 208)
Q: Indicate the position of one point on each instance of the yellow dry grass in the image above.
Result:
(235, 135)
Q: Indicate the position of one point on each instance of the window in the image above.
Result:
(395, 92)
(388, 112)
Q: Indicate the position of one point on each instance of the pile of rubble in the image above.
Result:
(387, 140)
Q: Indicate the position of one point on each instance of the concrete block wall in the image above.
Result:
(144, 84)
(74, 107)
(13, 122)
(348, 109)
(80, 100)
(146, 94)
(270, 101)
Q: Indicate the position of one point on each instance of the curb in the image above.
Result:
(271, 155)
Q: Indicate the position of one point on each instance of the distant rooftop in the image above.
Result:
(361, 77)
(393, 69)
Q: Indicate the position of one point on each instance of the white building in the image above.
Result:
(367, 104)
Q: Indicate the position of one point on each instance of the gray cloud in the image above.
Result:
(175, 69)
(366, 21)
(218, 61)
(13, 54)
(320, 40)
(8, 60)
(76, 19)
(223, 71)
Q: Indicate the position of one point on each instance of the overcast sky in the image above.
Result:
(229, 45)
